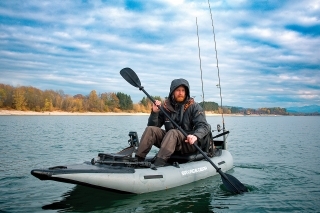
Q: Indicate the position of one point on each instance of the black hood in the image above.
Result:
(178, 82)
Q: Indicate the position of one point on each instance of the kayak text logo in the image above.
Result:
(192, 171)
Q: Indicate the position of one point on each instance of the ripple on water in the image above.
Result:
(276, 158)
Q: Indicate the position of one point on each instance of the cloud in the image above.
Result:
(266, 50)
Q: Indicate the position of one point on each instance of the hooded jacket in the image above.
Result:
(189, 115)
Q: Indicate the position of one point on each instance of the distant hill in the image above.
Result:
(304, 109)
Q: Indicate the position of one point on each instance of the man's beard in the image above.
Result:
(180, 99)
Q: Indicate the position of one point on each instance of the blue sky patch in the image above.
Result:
(267, 57)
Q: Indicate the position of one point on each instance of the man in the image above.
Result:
(186, 113)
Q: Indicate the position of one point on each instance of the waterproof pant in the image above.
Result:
(168, 142)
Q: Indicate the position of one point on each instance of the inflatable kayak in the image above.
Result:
(120, 172)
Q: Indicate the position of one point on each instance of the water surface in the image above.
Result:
(277, 158)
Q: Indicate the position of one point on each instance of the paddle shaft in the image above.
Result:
(197, 147)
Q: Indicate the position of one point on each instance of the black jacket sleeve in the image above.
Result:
(156, 119)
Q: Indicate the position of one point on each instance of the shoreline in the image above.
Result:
(54, 113)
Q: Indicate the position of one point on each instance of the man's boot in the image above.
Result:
(159, 162)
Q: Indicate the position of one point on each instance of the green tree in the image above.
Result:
(235, 110)
(146, 101)
(125, 101)
(209, 106)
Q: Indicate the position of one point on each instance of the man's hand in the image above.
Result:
(154, 106)
(191, 139)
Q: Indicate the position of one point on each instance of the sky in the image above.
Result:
(266, 52)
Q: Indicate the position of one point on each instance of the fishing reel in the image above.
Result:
(218, 128)
(134, 139)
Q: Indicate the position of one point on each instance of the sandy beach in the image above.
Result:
(17, 112)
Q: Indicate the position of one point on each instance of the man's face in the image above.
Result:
(179, 94)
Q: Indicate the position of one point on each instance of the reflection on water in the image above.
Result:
(195, 197)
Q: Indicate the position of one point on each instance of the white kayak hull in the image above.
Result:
(136, 180)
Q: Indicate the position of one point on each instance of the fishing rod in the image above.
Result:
(203, 104)
(219, 84)
(215, 47)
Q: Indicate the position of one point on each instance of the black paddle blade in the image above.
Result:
(131, 77)
(233, 184)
